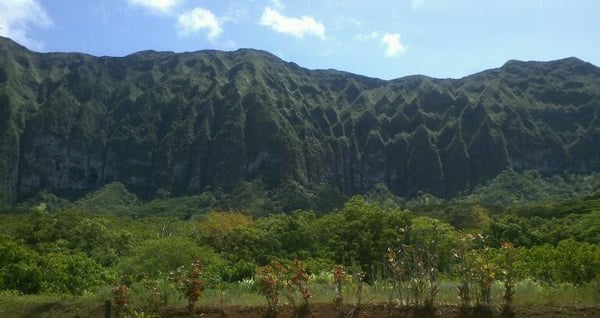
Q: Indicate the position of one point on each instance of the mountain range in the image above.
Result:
(182, 123)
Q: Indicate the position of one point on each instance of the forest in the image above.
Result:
(145, 256)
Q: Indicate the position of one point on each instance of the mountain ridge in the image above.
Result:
(183, 122)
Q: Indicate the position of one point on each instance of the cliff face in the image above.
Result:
(70, 123)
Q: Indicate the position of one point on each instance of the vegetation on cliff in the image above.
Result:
(167, 124)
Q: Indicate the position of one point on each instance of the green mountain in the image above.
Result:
(180, 123)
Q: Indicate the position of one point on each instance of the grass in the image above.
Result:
(528, 293)
(13, 305)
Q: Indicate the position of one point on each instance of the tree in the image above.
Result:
(72, 273)
(19, 268)
(154, 257)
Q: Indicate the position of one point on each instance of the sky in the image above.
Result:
(386, 39)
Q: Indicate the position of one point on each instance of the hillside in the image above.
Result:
(180, 123)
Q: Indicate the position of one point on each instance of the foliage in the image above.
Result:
(381, 195)
(190, 283)
(75, 252)
(72, 274)
(213, 228)
(180, 207)
(339, 278)
(511, 188)
(167, 254)
(271, 281)
(251, 197)
(476, 270)
(509, 284)
(154, 294)
(112, 198)
(276, 278)
(568, 261)
(414, 264)
(362, 231)
(120, 298)
(19, 269)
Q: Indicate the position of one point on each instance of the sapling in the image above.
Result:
(360, 283)
(191, 284)
(275, 278)
(271, 280)
(120, 298)
(339, 277)
(464, 292)
(298, 280)
(509, 285)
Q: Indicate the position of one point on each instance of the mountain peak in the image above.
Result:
(570, 63)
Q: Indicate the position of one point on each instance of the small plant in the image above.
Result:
(191, 284)
(398, 262)
(156, 293)
(120, 298)
(464, 291)
(275, 278)
(433, 286)
(360, 283)
(339, 277)
(298, 280)
(271, 280)
(485, 274)
(477, 272)
(142, 314)
(509, 285)
(414, 268)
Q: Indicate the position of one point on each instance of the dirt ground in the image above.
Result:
(382, 310)
(327, 310)
(318, 311)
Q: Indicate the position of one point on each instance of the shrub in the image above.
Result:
(276, 278)
(190, 283)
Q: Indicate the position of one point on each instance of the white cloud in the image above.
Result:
(392, 44)
(18, 17)
(298, 27)
(417, 3)
(157, 6)
(196, 20)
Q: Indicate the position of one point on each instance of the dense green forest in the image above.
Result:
(53, 246)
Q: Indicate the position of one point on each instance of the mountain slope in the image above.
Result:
(160, 121)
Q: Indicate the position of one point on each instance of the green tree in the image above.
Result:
(19, 269)
(72, 273)
(361, 231)
(155, 257)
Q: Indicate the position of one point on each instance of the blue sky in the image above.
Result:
(378, 38)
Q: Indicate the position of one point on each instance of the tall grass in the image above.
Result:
(245, 294)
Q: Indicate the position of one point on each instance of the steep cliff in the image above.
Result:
(161, 121)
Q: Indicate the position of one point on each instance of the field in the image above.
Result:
(531, 300)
